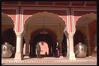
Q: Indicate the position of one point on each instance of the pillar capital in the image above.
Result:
(18, 56)
(65, 32)
(70, 35)
(19, 33)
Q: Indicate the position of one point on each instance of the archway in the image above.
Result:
(86, 25)
(7, 32)
(49, 22)
(43, 35)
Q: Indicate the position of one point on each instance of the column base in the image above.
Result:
(61, 57)
(72, 57)
(26, 56)
(18, 56)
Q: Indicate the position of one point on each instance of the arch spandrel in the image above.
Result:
(6, 21)
(86, 19)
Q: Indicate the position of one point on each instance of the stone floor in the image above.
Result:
(50, 61)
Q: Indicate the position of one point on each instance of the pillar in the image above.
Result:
(71, 54)
(70, 43)
(69, 32)
(67, 47)
(19, 53)
(27, 49)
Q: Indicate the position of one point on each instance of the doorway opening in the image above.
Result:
(45, 36)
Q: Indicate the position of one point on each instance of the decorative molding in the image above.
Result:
(79, 9)
(42, 8)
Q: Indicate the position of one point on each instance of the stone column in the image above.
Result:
(70, 43)
(70, 31)
(19, 53)
(67, 47)
(26, 46)
(71, 54)
(27, 49)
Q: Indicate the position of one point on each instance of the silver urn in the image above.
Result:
(7, 50)
(80, 50)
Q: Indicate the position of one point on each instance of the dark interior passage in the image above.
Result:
(64, 45)
(79, 37)
(42, 37)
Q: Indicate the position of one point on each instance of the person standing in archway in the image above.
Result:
(44, 50)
